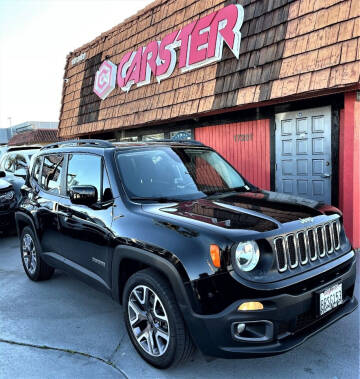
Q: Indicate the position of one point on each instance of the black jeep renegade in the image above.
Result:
(197, 255)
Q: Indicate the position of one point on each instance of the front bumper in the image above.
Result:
(292, 315)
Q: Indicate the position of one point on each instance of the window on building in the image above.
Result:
(153, 137)
(181, 135)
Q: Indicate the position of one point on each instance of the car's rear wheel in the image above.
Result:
(153, 320)
(35, 268)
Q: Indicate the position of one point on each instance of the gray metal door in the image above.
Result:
(303, 153)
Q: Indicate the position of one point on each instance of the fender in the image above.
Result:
(122, 252)
(22, 216)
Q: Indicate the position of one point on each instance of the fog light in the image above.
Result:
(253, 331)
(240, 328)
(251, 306)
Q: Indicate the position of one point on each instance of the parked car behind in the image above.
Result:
(14, 162)
(7, 205)
(194, 252)
(15, 159)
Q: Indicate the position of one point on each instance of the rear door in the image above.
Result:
(303, 153)
(47, 200)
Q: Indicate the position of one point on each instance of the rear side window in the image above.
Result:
(36, 170)
(51, 173)
(84, 170)
(9, 163)
(19, 161)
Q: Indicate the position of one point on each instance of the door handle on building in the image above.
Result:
(325, 176)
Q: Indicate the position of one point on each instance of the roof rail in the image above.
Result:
(80, 142)
(22, 147)
(188, 141)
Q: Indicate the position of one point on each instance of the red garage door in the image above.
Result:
(246, 145)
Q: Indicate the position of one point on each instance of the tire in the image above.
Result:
(159, 303)
(35, 268)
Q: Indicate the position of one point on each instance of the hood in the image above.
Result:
(258, 211)
(4, 185)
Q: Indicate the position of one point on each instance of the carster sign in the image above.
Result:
(198, 44)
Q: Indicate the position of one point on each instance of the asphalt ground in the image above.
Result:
(64, 329)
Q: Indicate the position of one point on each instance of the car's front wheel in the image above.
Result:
(35, 268)
(153, 320)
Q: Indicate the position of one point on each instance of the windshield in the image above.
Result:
(177, 173)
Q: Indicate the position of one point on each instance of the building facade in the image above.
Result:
(272, 85)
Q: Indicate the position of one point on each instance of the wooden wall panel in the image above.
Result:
(246, 145)
(289, 49)
(349, 167)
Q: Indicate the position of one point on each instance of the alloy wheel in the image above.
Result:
(29, 254)
(148, 321)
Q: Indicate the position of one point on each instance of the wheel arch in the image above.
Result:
(128, 260)
(22, 220)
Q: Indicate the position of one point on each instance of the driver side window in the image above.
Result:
(84, 170)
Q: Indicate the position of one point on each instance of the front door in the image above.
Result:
(303, 153)
(85, 231)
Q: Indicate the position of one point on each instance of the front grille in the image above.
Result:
(302, 248)
(281, 254)
(328, 239)
(311, 244)
(336, 233)
(320, 237)
(293, 258)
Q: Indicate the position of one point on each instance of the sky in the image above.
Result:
(35, 38)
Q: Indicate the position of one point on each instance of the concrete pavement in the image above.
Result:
(62, 328)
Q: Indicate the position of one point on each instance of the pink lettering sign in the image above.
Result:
(198, 44)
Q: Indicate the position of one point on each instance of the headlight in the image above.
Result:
(9, 195)
(247, 255)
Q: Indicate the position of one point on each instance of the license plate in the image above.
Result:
(330, 298)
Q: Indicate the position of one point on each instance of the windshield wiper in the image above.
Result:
(156, 199)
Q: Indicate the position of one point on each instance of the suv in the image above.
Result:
(7, 205)
(196, 254)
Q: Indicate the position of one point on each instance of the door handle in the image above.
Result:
(325, 176)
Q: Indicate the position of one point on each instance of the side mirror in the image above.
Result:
(21, 172)
(83, 195)
(2, 174)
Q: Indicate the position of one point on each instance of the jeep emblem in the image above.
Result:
(306, 220)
